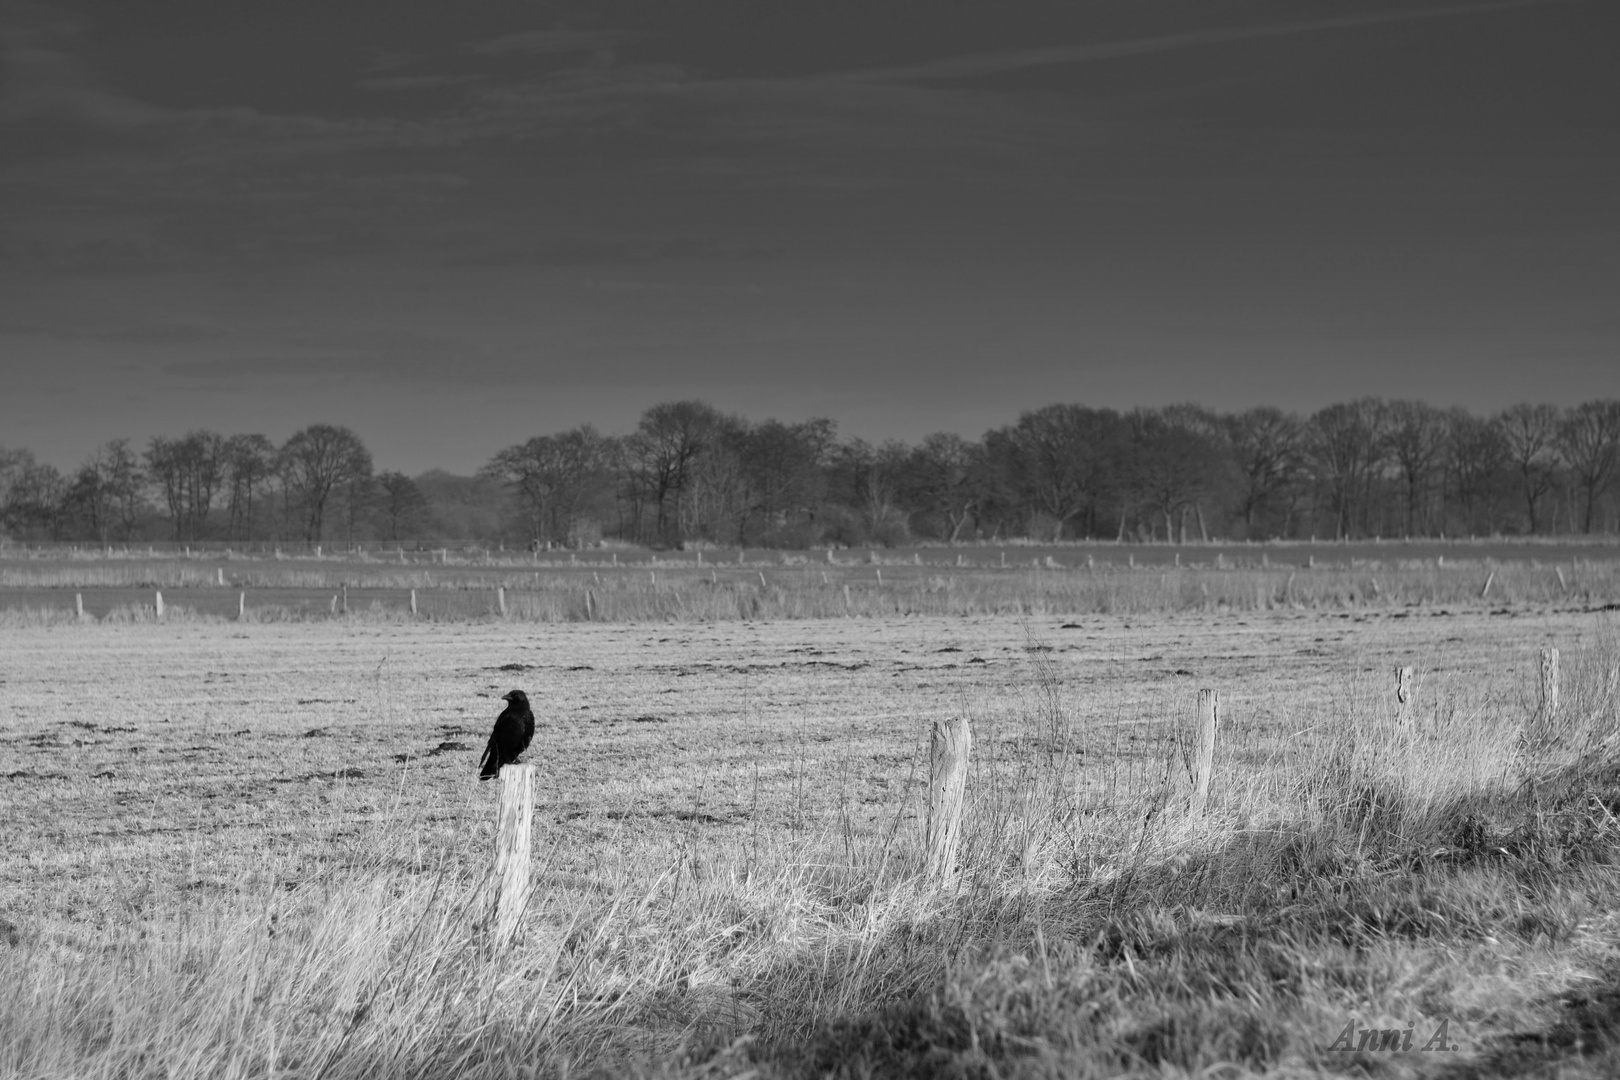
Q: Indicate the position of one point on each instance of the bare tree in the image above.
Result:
(551, 475)
(400, 506)
(250, 462)
(1345, 444)
(948, 476)
(1530, 435)
(1266, 448)
(663, 449)
(870, 479)
(32, 496)
(187, 472)
(1589, 438)
(1061, 459)
(106, 491)
(1477, 464)
(314, 463)
(1416, 439)
(1175, 462)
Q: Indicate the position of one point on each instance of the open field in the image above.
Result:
(258, 849)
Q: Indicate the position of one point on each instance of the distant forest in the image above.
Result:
(690, 475)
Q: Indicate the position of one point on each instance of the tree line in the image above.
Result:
(692, 474)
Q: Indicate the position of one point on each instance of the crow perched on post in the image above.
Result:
(513, 730)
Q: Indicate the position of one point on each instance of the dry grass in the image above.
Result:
(791, 586)
(727, 875)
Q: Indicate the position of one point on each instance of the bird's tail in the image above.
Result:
(490, 765)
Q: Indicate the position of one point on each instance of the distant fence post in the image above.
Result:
(344, 589)
(157, 603)
(1204, 758)
(219, 575)
(500, 599)
(413, 601)
(241, 606)
(512, 843)
(949, 746)
(78, 604)
(1549, 686)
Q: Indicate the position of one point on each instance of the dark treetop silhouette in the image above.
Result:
(513, 730)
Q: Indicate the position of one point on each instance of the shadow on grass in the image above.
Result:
(1251, 956)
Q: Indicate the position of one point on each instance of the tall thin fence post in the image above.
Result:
(219, 576)
(1549, 686)
(500, 599)
(1204, 758)
(949, 745)
(413, 602)
(157, 603)
(512, 843)
(78, 604)
(241, 606)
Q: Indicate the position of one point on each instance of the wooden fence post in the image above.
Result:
(512, 842)
(1204, 759)
(500, 599)
(157, 603)
(949, 745)
(345, 590)
(219, 573)
(590, 606)
(1549, 686)
(241, 606)
(78, 604)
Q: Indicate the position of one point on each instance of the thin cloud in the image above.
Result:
(546, 42)
(417, 82)
(964, 67)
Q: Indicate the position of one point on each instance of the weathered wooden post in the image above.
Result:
(334, 603)
(590, 606)
(500, 599)
(413, 601)
(949, 745)
(512, 843)
(846, 599)
(219, 576)
(345, 591)
(157, 603)
(1549, 686)
(241, 606)
(1204, 758)
(78, 604)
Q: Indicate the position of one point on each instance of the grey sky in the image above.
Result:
(453, 226)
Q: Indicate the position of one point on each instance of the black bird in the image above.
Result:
(513, 730)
